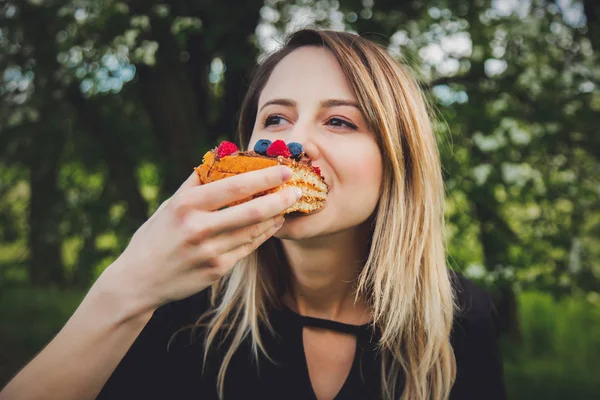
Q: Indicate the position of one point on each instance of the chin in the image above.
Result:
(302, 226)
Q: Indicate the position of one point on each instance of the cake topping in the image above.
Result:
(261, 146)
(226, 149)
(317, 170)
(296, 149)
(278, 148)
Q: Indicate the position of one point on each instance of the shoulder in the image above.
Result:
(153, 361)
(475, 343)
(185, 311)
(474, 319)
(473, 302)
(474, 326)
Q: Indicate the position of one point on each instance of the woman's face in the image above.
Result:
(308, 100)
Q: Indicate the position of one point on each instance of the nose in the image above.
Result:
(307, 137)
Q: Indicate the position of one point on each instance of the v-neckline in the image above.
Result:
(306, 371)
(357, 331)
(328, 324)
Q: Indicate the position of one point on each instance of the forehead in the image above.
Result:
(307, 73)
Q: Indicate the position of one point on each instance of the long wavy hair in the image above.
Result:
(405, 279)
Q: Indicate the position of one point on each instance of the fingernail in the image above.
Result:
(286, 173)
(298, 193)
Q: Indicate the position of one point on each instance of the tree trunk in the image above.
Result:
(494, 236)
(506, 304)
(45, 208)
(121, 168)
(168, 97)
(45, 148)
(591, 9)
(239, 57)
(173, 123)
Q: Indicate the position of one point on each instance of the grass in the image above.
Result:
(557, 358)
(30, 319)
(560, 349)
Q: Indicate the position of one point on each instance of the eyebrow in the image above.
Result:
(324, 104)
(337, 103)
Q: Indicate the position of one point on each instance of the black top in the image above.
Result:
(149, 371)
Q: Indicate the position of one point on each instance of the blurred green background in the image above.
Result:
(105, 107)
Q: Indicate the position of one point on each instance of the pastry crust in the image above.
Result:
(313, 186)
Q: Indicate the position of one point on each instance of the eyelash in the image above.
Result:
(343, 121)
(270, 117)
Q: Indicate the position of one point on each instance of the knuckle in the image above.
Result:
(237, 189)
(262, 238)
(204, 232)
(256, 213)
(255, 231)
(188, 228)
(258, 240)
(210, 253)
(253, 245)
(214, 271)
(194, 229)
(218, 268)
(211, 264)
(179, 207)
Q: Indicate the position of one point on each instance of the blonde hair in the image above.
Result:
(405, 279)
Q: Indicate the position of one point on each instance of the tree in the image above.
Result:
(108, 105)
(85, 120)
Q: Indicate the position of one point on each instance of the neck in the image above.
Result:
(323, 276)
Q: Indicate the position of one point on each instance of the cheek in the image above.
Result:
(362, 173)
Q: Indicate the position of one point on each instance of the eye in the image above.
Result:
(341, 123)
(273, 120)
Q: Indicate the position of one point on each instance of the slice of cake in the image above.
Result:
(226, 160)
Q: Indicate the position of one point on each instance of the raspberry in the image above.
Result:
(317, 170)
(226, 149)
(278, 148)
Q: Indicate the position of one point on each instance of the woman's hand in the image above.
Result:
(185, 246)
(190, 241)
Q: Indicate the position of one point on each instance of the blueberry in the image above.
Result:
(296, 149)
(261, 146)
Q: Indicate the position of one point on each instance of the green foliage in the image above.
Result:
(30, 318)
(128, 96)
(559, 354)
(107, 106)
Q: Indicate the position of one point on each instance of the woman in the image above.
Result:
(352, 302)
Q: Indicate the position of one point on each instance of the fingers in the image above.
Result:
(221, 264)
(253, 211)
(246, 236)
(218, 194)
(199, 226)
